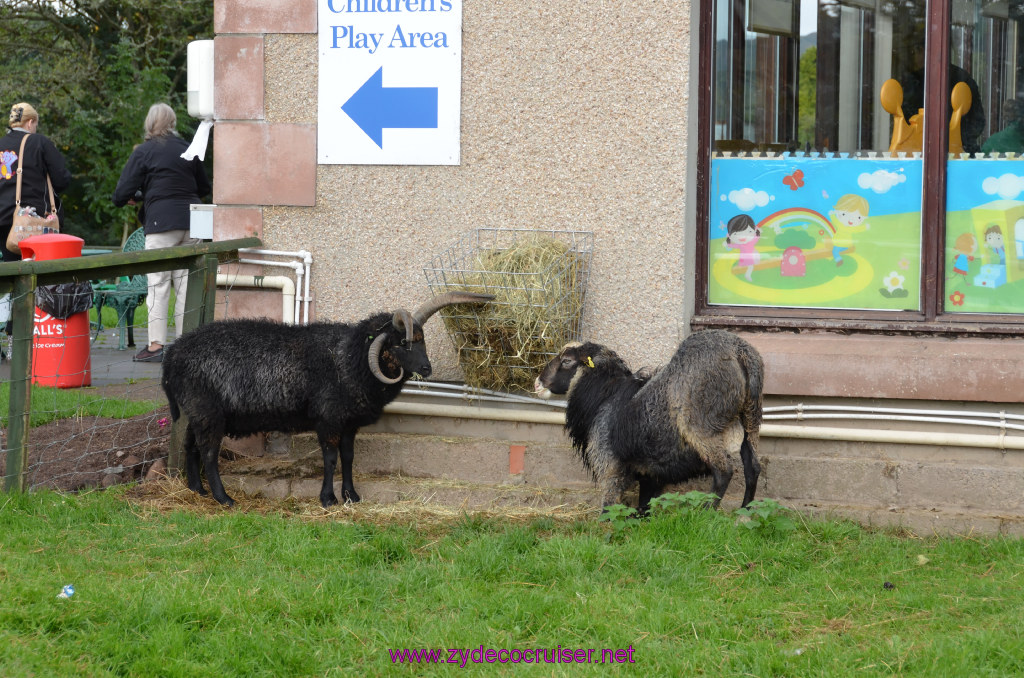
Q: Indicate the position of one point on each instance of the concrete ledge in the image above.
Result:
(480, 460)
(923, 522)
(873, 366)
(917, 487)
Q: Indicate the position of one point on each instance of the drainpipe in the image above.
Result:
(294, 265)
(307, 261)
(283, 283)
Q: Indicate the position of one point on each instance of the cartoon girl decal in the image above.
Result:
(963, 248)
(743, 235)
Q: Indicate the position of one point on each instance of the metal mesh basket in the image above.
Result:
(538, 279)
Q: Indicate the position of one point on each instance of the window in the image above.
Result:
(865, 164)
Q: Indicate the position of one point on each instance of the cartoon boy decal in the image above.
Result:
(964, 248)
(849, 217)
(994, 239)
(743, 235)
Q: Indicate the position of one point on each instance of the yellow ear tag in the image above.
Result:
(590, 361)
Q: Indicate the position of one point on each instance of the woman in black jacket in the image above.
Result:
(169, 184)
(41, 159)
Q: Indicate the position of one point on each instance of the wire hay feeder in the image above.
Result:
(538, 279)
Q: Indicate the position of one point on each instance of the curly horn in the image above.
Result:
(437, 303)
(374, 358)
(404, 320)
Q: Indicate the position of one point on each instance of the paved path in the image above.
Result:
(112, 366)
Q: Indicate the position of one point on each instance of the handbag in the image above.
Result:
(26, 222)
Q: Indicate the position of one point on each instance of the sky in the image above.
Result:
(808, 16)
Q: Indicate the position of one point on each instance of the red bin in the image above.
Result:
(60, 348)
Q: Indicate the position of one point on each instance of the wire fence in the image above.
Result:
(76, 410)
(96, 417)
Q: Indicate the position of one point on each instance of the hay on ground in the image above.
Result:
(167, 495)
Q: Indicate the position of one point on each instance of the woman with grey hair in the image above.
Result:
(169, 184)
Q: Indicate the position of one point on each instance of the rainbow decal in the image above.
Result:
(796, 217)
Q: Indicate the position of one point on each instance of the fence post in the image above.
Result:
(210, 300)
(23, 304)
(200, 304)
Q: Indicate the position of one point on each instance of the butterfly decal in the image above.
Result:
(7, 160)
(794, 180)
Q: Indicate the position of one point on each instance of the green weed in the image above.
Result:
(682, 503)
(619, 517)
(766, 516)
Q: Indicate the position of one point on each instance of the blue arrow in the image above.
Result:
(374, 107)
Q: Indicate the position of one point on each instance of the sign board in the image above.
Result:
(390, 82)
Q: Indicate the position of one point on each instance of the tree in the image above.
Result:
(92, 68)
(808, 95)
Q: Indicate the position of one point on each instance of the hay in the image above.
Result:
(169, 495)
(538, 281)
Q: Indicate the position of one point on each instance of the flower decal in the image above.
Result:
(957, 298)
(904, 264)
(894, 281)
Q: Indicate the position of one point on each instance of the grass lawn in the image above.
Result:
(141, 314)
(170, 585)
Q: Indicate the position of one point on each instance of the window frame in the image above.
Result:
(932, 318)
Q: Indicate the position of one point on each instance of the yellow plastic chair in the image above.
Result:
(907, 135)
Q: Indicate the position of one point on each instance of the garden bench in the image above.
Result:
(123, 296)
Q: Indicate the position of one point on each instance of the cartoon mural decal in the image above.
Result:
(985, 236)
(771, 243)
(985, 207)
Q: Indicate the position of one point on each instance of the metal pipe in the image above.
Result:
(294, 265)
(278, 253)
(899, 417)
(472, 393)
(307, 262)
(999, 442)
(767, 431)
(482, 397)
(464, 412)
(800, 408)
